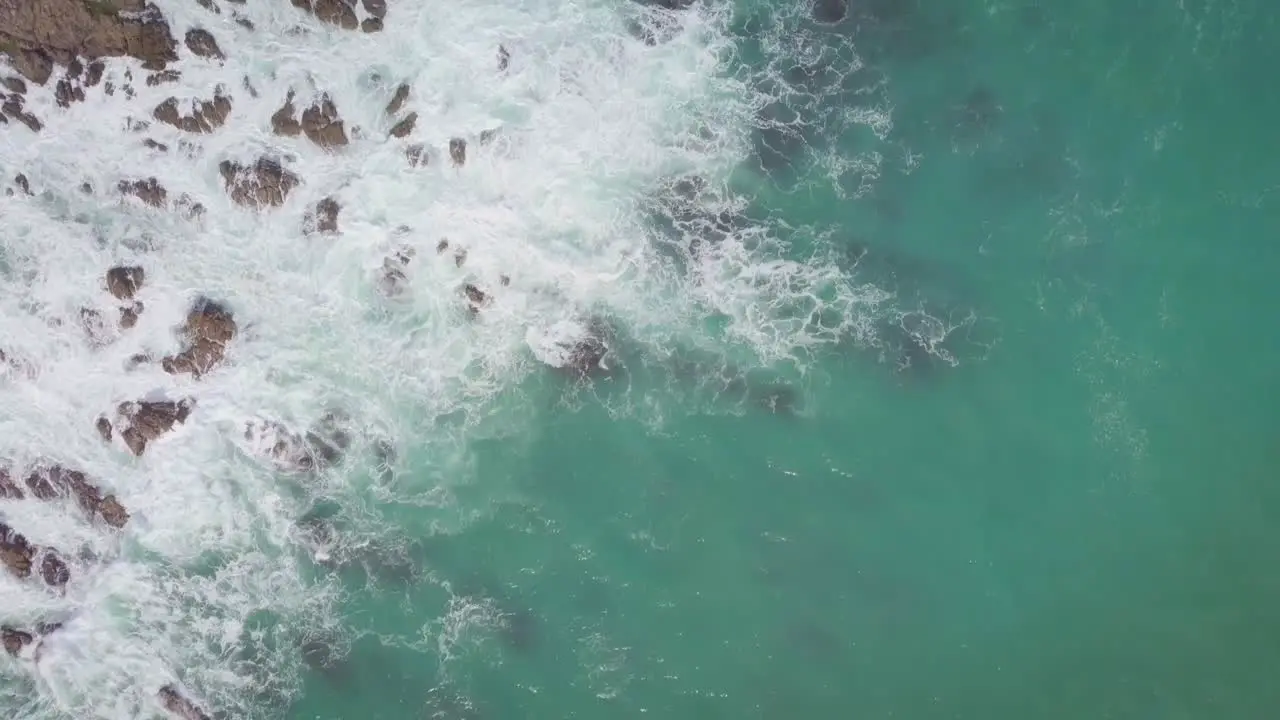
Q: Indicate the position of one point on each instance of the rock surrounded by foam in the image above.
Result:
(21, 557)
(263, 184)
(572, 345)
(144, 421)
(208, 330)
(53, 482)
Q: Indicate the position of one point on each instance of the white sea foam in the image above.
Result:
(589, 121)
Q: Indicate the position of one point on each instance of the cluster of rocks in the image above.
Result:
(54, 482)
(150, 192)
(123, 283)
(143, 421)
(265, 183)
(205, 116)
(319, 122)
(316, 449)
(21, 557)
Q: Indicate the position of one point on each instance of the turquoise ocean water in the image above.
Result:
(1040, 485)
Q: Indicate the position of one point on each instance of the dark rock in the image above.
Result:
(376, 8)
(21, 181)
(322, 126)
(245, 23)
(155, 145)
(15, 552)
(263, 184)
(176, 703)
(67, 92)
(476, 298)
(9, 489)
(324, 218)
(13, 108)
(458, 151)
(74, 69)
(149, 191)
(459, 257)
(202, 43)
(504, 58)
(13, 84)
(334, 12)
(104, 428)
(54, 570)
(211, 6)
(405, 126)
(124, 280)
(148, 420)
(207, 115)
(162, 77)
(371, 25)
(33, 64)
(398, 100)
(442, 246)
(283, 121)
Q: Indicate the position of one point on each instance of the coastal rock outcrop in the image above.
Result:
(205, 116)
(207, 331)
(149, 191)
(21, 557)
(262, 184)
(144, 421)
(54, 482)
(37, 34)
(335, 12)
(322, 125)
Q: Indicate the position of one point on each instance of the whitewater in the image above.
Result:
(578, 132)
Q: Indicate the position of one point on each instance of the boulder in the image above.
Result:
(324, 217)
(14, 85)
(15, 640)
(205, 117)
(202, 43)
(13, 108)
(208, 330)
(405, 126)
(398, 100)
(147, 420)
(265, 183)
(335, 12)
(283, 121)
(124, 280)
(322, 125)
(458, 151)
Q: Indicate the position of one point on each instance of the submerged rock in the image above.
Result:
(176, 703)
(318, 448)
(324, 217)
(580, 348)
(123, 281)
(207, 331)
(458, 151)
(283, 121)
(147, 420)
(265, 183)
(394, 275)
(15, 641)
(149, 191)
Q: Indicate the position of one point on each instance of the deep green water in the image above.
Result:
(1075, 521)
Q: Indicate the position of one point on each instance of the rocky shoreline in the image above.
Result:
(58, 48)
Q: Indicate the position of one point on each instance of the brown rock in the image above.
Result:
(104, 428)
(124, 280)
(174, 702)
(129, 315)
(405, 126)
(162, 77)
(202, 43)
(147, 421)
(371, 25)
(208, 329)
(324, 218)
(149, 191)
(376, 8)
(283, 121)
(15, 640)
(265, 183)
(13, 84)
(54, 482)
(49, 30)
(335, 12)
(397, 100)
(207, 116)
(458, 151)
(13, 108)
(75, 68)
(322, 125)
(15, 552)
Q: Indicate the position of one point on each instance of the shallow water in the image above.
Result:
(944, 394)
